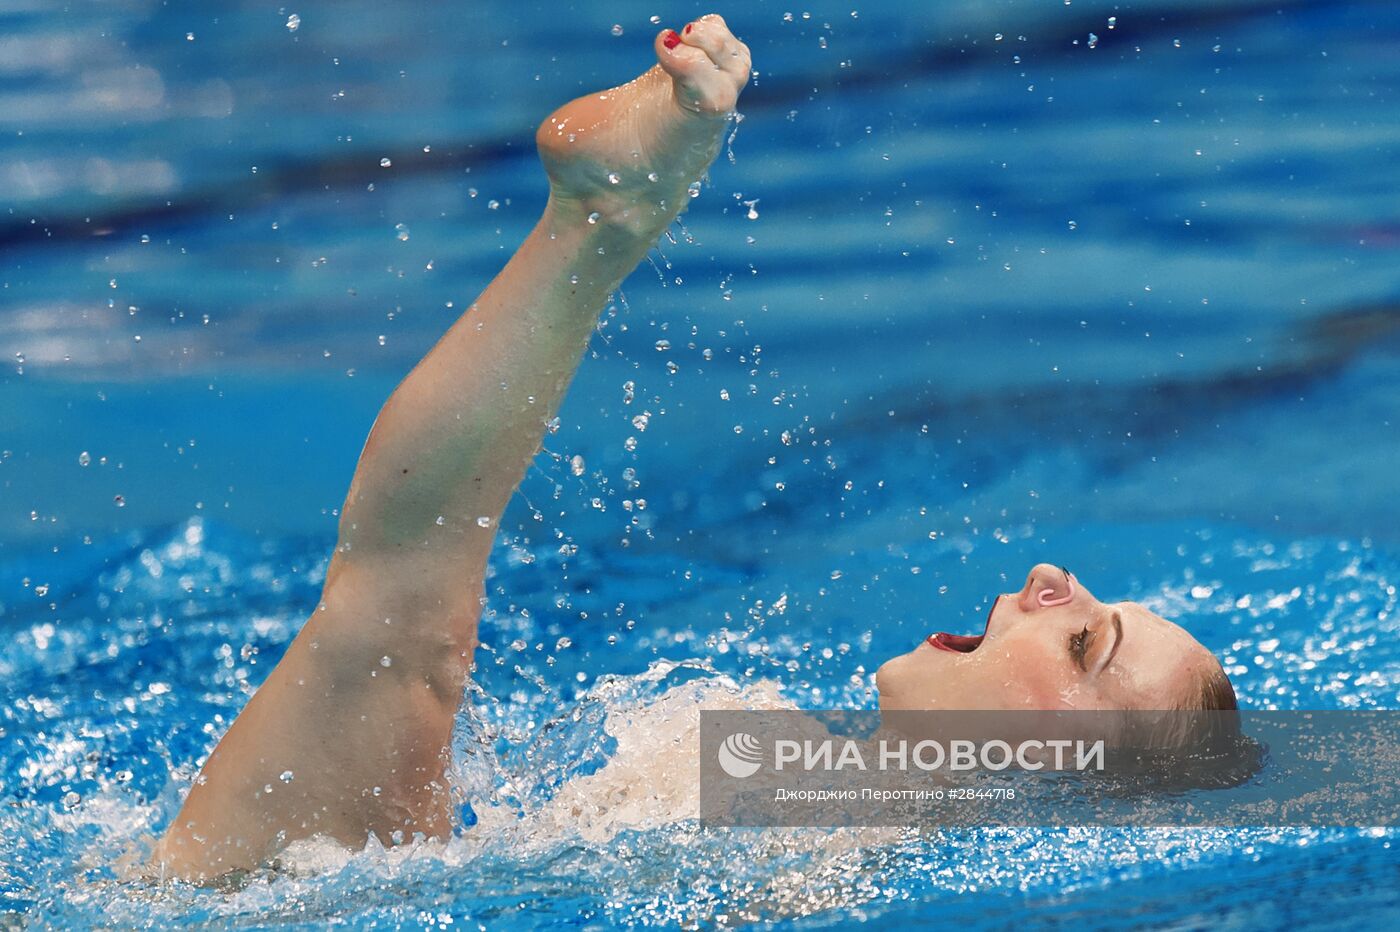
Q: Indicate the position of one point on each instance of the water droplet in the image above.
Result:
(1093, 40)
(386, 162)
(71, 799)
(617, 29)
(293, 23)
(1074, 224)
(401, 231)
(119, 501)
(573, 279)
(663, 345)
(189, 37)
(286, 776)
(653, 177)
(656, 21)
(84, 458)
(440, 521)
(613, 178)
(385, 661)
(483, 521)
(563, 643)
(1112, 22)
(694, 189)
(593, 217)
(382, 339)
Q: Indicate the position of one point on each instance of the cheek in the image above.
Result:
(1026, 674)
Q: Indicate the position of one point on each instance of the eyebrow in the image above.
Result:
(1118, 641)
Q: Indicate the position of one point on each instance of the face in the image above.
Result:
(1052, 646)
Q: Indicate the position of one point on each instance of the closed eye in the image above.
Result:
(1084, 640)
(1079, 646)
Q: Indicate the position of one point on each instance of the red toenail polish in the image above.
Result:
(672, 40)
(688, 27)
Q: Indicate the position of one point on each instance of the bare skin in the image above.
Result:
(1054, 646)
(349, 735)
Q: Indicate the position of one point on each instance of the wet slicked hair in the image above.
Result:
(1217, 693)
(1195, 720)
(1218, 753)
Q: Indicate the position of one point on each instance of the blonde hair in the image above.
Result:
(1217, 694)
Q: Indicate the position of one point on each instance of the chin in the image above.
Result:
(892, 680)
(886, 678)
(890, 675)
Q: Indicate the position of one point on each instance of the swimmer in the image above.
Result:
(350, 734)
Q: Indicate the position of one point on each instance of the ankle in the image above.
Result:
(616, 215)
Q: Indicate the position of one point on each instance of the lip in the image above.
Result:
(963, 643)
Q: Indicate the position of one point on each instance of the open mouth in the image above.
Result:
(963, 643)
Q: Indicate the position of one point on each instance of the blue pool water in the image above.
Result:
(974, 290)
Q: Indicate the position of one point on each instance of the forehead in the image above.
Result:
(1157, 662)
(1142, 619)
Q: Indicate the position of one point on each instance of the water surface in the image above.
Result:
(974, 290)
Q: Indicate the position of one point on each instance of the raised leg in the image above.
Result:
(349, 735)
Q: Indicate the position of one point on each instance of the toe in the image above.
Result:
(709, 66)
(738, 63)
(711, 35)
(675, 56)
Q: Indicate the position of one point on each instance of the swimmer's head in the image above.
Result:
(1054, 646)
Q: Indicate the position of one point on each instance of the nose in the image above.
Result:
(1046, 587)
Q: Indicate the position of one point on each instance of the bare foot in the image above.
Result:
(628, 154)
